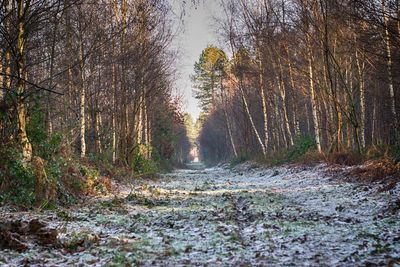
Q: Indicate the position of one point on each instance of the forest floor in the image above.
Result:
(248, 216)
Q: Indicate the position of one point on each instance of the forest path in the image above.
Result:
(249, 216)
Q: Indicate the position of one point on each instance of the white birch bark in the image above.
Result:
(262, 146)
(360, 69)
(314, 102)
(82, 102)
(389, 64)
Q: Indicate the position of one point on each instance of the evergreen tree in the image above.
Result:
(209, 72)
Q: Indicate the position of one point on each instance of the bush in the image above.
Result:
(142, 165)
(51, 147)
(302, 145)
(17, 184)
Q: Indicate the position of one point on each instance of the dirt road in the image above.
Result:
(245, 217)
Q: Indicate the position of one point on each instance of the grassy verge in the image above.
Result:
(377, 163)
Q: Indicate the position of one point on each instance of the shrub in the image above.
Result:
(302, 145)
(18, 184)
(51, 147)
(142, 165)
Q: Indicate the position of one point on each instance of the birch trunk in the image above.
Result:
(360, 70)
(228, 124)
(139, 137)
(114, 124)
(21, 106)
(389, 64)
(263, 100)
(296, 122)
(146, 131)
(82, 101)
(313, 95)
(282, 90)
(262, 146)
(97, 132)
(124, 124)
(314, 102)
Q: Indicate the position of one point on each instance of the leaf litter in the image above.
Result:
(279, 216)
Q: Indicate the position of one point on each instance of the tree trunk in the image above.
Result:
(21, 106)
(262, 146)
(51, 71)
(314, 103)
(296, 122)
(82, 102)
(263, 99)
(389, 65)
(282, 90)
(228, 124)
(360, 69)
(97, 132)
(139, 129)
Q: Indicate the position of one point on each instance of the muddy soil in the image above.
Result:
(249, 216)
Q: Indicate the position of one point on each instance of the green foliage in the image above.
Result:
(302, 144)
(209, 71)
(18, 182)
(141, 200)
(142, 165)
(51, 147)
(36, 128)
(83, 239)
(91, 176)
(120, 259)
(44, 146)
(241, 62)
(54, 170)
(394, 152)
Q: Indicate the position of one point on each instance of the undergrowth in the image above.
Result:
(302, 145)
(304, 151)
(70, 176)
(303, 148)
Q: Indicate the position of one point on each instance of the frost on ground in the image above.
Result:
(248, 216)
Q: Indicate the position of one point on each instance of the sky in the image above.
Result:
(197, 33)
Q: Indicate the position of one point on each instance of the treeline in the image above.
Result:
(324, 69)
(94, 78)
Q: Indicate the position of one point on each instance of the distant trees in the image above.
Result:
(209, 73)
(98, 73)
(307, 67)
